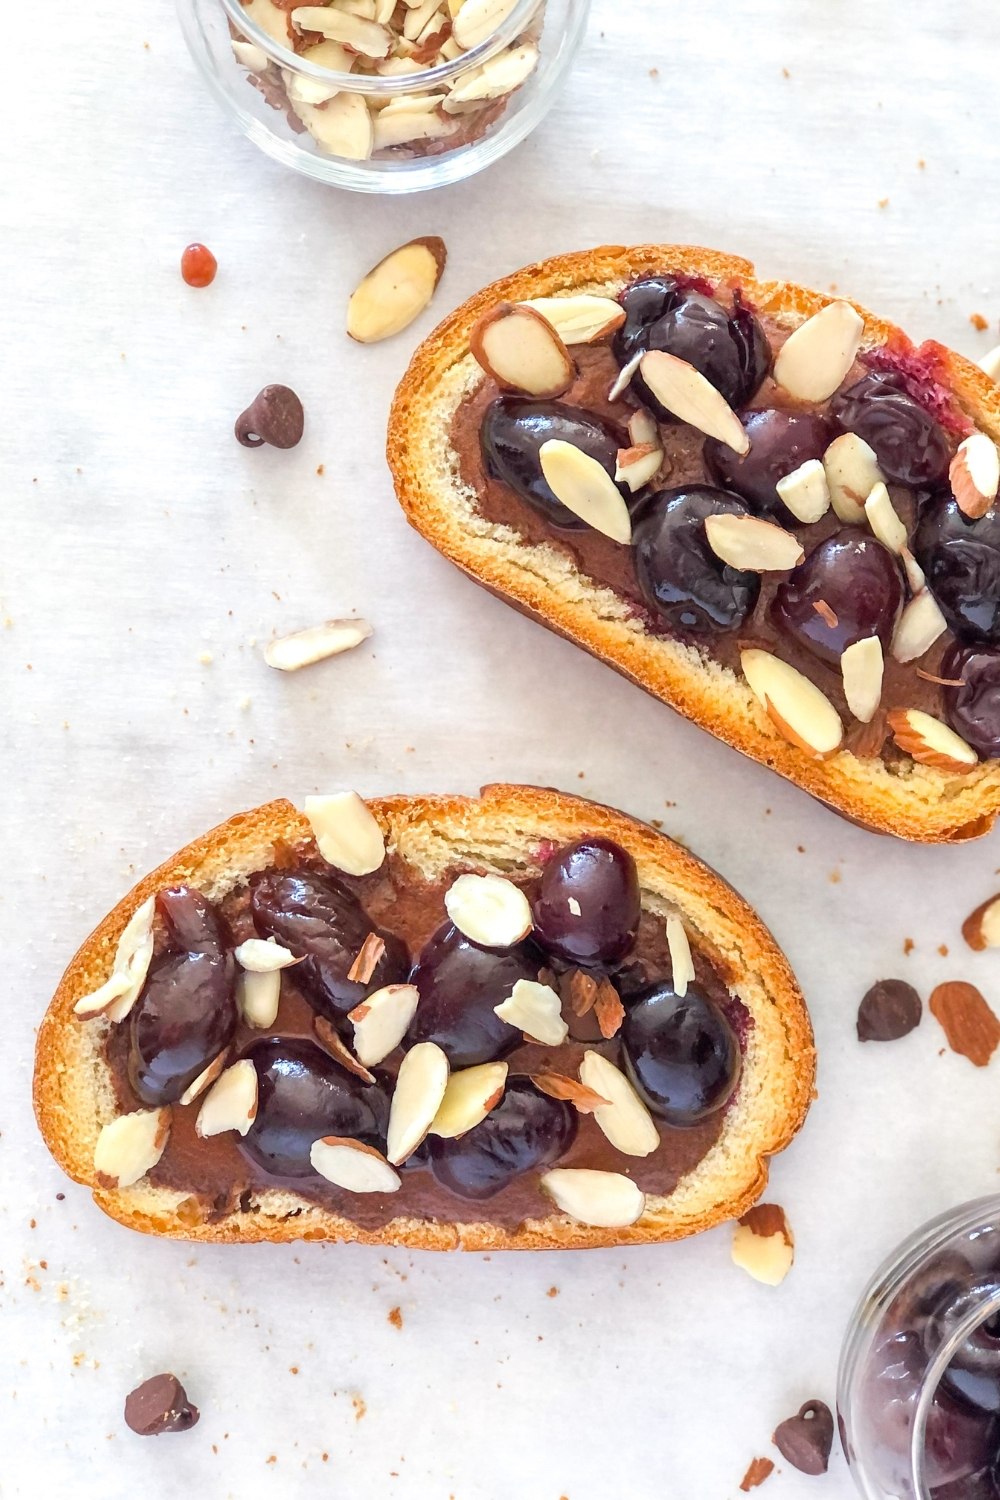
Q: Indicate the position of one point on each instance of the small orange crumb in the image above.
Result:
(656, 822)
(978, 321)
(921, 163)
(883, 203)
(273, 1459)
(759, 1470)
(942, 949)
(396, 1318)
(321, 470)
(785, 73)
(801, 848)
(325, 1457)
(293, 1369)
(908, 945)
(654, 72)
(835, 877)
(359, 1407)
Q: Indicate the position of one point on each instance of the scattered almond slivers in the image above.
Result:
(623, 379)
(117, 995)
(813, 361)
(608, 1009)
(605, 1200)
(763, 1245)
(559, 1086)
(625, 1120)
(991, 363)
(346, 833)
(496, 78)
(536, 1010)
(918, 627)
(361, 35)
(489, 909)
(258, 995)
(852, 472)
(685, 393)
(396, 290)
(231, 1103)
(476, 20)
(914, 572)
(521, 351)
(304, 647)
(884, 521)
(468, 1099)
(974, 475)
(420, 1088)
(206, 1077)
(351, 1165)
(302, 90)
(263, 955)
(805, 491)
(367, 959)
(579, 320)
(981, 928)
(681, 962)
(586, 488)
(332, 1042)
(381, 1020)
(397, 127)
(130, 1146)
(636, 466)
(751, 544)
(643, 429)
(343, 127)
(930, 742)
(862, 666)
(794, 705)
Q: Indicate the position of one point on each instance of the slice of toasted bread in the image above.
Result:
(501, 830)
(910, 800)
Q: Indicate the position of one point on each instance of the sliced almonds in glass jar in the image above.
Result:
(796, 707)
(930, 742)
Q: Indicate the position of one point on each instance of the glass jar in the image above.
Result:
(426, 114)
(919, 1383)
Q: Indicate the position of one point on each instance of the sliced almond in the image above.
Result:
(763, 1244)
(367, 959)
(536, 1010)
(271, 20)
(606, 1200)
(489, 909)
(852, 472)
(991, 363)
(363, 36)
(420, 1087)
(930, 742)
(231, 1104)
(981, 928)
(623, 379)
(581, 991)
(521, 351)
(918, 627)
(263, 955)
(343, 127)
(862, 666)
(805, 491)
(346, 833)
(303, 647)
(417, 17)
(119, 992)
(258, 996)
(250, 56)
(304, 90)
(331, 1041)
(558, 1086)
(351, 1165)
(468, 1099)
(130, 1146)
(608, 1009)
(625, 1120)
(400, 127)
(813, 360)
(685, 392)
(794, 705)
(884, 521)
(496, 78)
(579, 320)
(681, 962)
(396, 290)
(643, 429)
(205, 1078)
(751, 544)
(636, 466)
(586, 488)
(381, 1021)
(479, 19)
(974, 475)
(914, 572)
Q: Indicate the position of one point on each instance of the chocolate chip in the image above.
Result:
(890, 1010)
(274, 416)
(805, 1440)
(160, 1404)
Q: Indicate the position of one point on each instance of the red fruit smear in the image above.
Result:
(924, 373)
(198, 265)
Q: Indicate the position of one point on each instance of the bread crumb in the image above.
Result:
(396, 1318)
(206, 658)
(883, 203)
(654, 72)
(293, 1369)
(359, 1407)
(942, 949)
(553, 1291)
(656, 822)
(978, 321)
(785, 73)
(908, 946)
(759, 1470)
(835, 877)
(921, 163)
(273, 1459)
(321, 470)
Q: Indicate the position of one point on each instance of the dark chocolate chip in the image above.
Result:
(890, 1010)
(160, 1404)
(806, 1439)
(274, 416)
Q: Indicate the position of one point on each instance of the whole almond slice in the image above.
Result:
(258, 995)
(119, 992)
(356, 32)
(643, 429)
(981, 928)
(231, 1103)
(681, 962)
(399, 127)
(346, 833)
(130, 1146)
(751, 544)
(624, 1120)
(579, 320)
(794, 705)
(304, 647)
(420, 1087)
(304, 90)
(205, 1078)
(852, 472)
(353, 1166)
(536, 1010)
(918, 627)
(636, 466)
(623, 379)
(381, 1021)
(396, 290)
(558, 1086)
(974, 475)
(862, 666)
(685, 392)
(805, 491)
(605, 1200)
(332, 1042)
(489, 910)
(884, 521)
(417, 17)
(521, 351)
(250, 56)
(343, 127)
(991, 363)
(763, 1245)
(914, 572)
(478, 19)
(586, 488)
(468, 1099)
(496, 78)
(263, 955)
(813, 361)
(930, 742)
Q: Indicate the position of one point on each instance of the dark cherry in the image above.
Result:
(973, 710)
(321, 921)
(513, 431)
(681, 1053)
(911, 447)
(779, 442)
(681, 579)
(588, 905)
(526, 1131)
(860, 581)
(186, 1014)
(962, 561)
(459, 985)
(302, 1094)
(731, 352)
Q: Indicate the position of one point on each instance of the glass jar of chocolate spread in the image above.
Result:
(919, 1384)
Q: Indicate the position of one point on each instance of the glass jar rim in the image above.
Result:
(373, 84)
(963, 1330)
